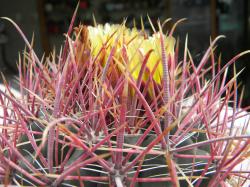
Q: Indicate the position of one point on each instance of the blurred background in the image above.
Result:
(49, 19)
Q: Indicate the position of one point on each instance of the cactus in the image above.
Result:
(121, 107)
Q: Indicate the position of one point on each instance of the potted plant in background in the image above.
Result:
(121, 107)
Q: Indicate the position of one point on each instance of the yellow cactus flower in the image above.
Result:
(102, 38)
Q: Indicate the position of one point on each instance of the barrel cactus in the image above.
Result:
(122, 107)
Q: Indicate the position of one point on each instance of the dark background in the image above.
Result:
(49, 19)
